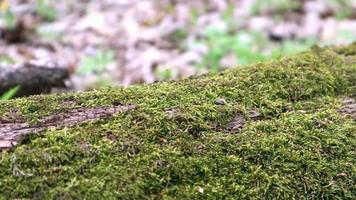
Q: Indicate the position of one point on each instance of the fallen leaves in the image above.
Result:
(149, 36)
(348, 108)
(239, 121)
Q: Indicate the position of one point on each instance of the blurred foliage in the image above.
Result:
(279, 6)
(42, 7)
(242, 44)
(163, 74)
(45, 10)
(178, 36)
(347, 35)
(344, 7)
(6, 13)
(10, 93)
(247, 46)
(96, 63)
(5, 59)
(49, 35)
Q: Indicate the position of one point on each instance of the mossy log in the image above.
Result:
(283, 129)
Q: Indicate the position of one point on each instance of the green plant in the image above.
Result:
(164, 74)
(194, 15)
(275, 6)
(347, 35)
(10, 93)
(6, 59)
(178, 36)
(45, 10)
(247, 46)
(219, 44)
(289, 47)
(96, 63)
(344, 8)
(7, 14)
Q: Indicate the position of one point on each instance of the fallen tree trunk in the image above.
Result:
(276, 130)
(32, 79)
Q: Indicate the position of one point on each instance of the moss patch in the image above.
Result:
(175, 143)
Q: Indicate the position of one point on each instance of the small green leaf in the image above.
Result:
(10, 93)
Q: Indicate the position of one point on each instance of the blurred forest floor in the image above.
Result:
(124, 42)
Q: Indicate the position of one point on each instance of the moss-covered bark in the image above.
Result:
(176, 143)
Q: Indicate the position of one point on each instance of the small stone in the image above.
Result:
(200, 189)
(255, 115)
(342, 174)
(220, 101)
(237, 123)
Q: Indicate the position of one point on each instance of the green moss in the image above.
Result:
(174, 145)
(349, 50)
